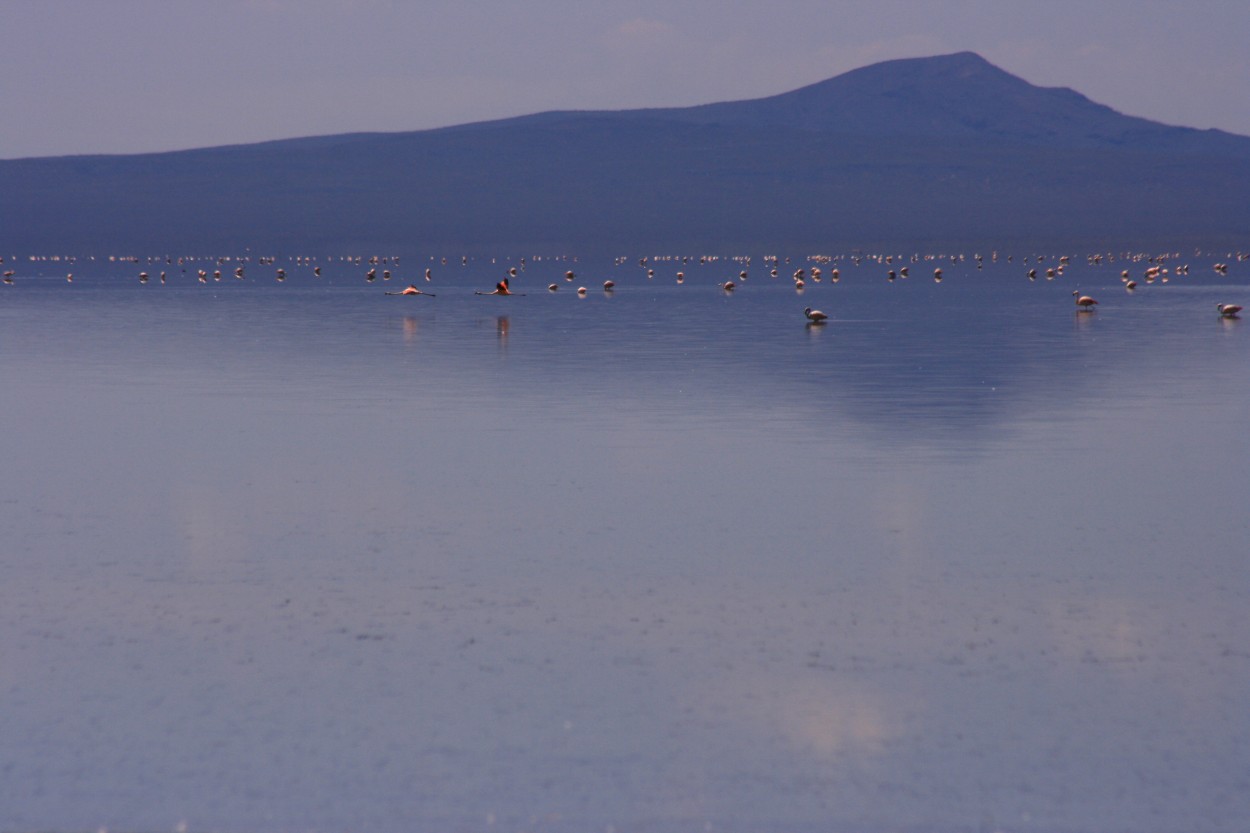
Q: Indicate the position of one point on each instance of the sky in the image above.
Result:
(134, 76)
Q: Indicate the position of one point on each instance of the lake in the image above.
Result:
(287, 556)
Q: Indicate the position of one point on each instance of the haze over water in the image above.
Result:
(302, 556)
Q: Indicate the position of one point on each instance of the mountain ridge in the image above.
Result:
(856, 102)
(912, 149)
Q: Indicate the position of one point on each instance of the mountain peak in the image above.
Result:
(961, 64)
(958, 95)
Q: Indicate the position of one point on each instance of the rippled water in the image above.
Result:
(302, 556)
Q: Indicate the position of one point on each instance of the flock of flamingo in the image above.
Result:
(1158, 268)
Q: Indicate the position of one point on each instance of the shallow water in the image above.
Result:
(302, 556)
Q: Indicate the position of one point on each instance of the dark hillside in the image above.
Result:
(928, 151)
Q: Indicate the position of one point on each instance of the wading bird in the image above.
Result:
(1084, 303)
(411, 290)
(501, 288)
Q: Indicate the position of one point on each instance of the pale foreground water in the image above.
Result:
(300, 556)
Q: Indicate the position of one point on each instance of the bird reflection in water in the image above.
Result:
(502, 326)
(410, 326)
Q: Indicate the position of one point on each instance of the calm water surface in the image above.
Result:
(301, 556)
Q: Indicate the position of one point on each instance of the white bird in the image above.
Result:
(815, 316)
(1229, 310)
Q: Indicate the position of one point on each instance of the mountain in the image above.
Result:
(940, 151)
(952, 96)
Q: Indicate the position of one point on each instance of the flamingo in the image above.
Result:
(815, 316)
(1084, 303)
(1229, 310)
(411, 290)
(501, 288)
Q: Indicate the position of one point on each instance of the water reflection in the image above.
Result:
(955, 559)
(410, 325)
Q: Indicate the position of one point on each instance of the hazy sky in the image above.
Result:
(126, 76)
